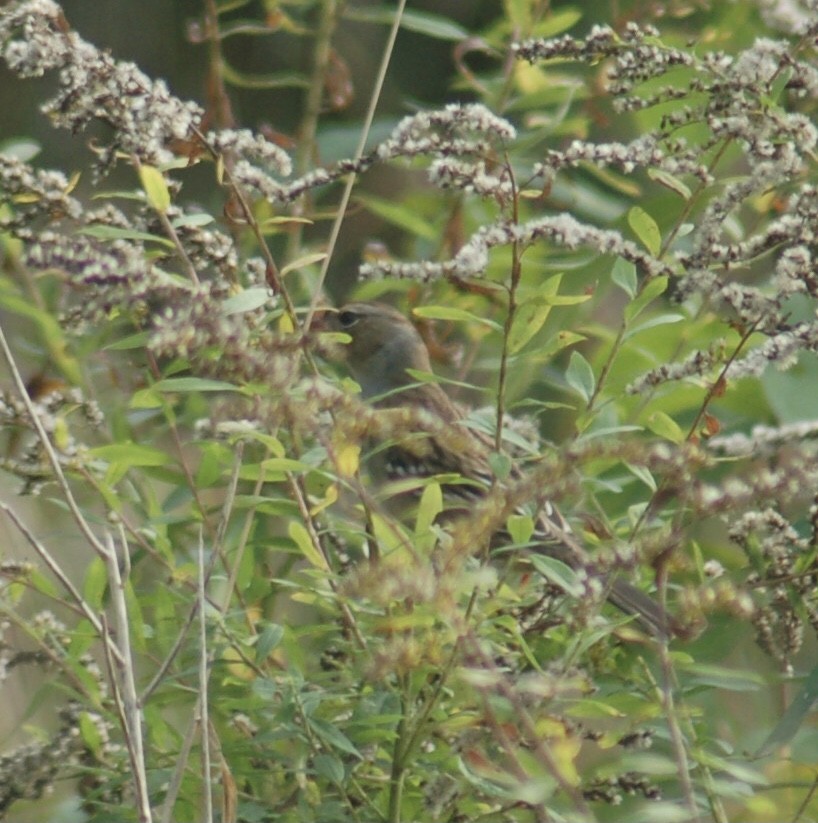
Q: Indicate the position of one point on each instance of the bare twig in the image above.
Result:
(204, 668)
(132, 715)
(55, 568)
(49, 449)
(359, 153)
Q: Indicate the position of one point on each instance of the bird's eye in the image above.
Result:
(347, 319)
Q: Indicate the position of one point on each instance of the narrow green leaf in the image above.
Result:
(793, 718)
(558, 342)
(645, 228)
(283, 464)
(671, 182)
(432, 25)
(192, 384)
(91, 737)
(430, 506)
(156, 188)
(624, 275)
(329, 767)
(194, 220)
(300, 536)
(131, 454)
(528, 320)
(116, 233)
(665, 426)
(95, 584)
(269, 638)
(132, 341)
(580, 376)
(558, 573)
(643, 474)
(457, 315)
(303, 262)
(246, 300)
(649, 293)
(330, 734)
(146, 399)
(652, 323)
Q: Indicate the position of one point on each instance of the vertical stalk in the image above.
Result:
(305, 149)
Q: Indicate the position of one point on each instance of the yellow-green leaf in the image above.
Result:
(645, 228)
(156, 188)
(348, 458)
(528, 321)
(303, 262)
(520, 528)
(665, 426)
(301, 537)
(651, 291)
(431, 504)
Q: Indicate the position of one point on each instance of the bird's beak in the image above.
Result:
(322, 319)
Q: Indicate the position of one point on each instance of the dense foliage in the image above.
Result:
(606, 238)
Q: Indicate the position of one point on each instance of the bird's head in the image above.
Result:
(383, 345)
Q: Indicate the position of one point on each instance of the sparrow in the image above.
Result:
(383, 351)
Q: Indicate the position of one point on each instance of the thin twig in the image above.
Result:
(132, 721)
(359, 153)
(57, 571)
(49, 449)
(204, 669)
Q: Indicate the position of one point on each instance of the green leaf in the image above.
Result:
(131, 454)
(269, 638)
(146, 399)
(95, 584)
(643, 474)
(195, 220)
(665, 426)
(649, 293)
(116, 233)
(303, 262)
(652, 323)
(457, 315)
(671, 182)
(329, 767)
(624, 275)
(528, 320)
(722, 677)
(156, 188)
(301, 537)
(432, 25)
(793, 718)
(520, 528)
(330, 734)
(558, 342)
(132, 341)
(91, 737)
(430, 506)
(246, 300)
(580, 376)
(558, 573)
(645, 228)
(192, 384)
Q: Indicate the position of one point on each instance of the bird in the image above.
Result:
(384, 354)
